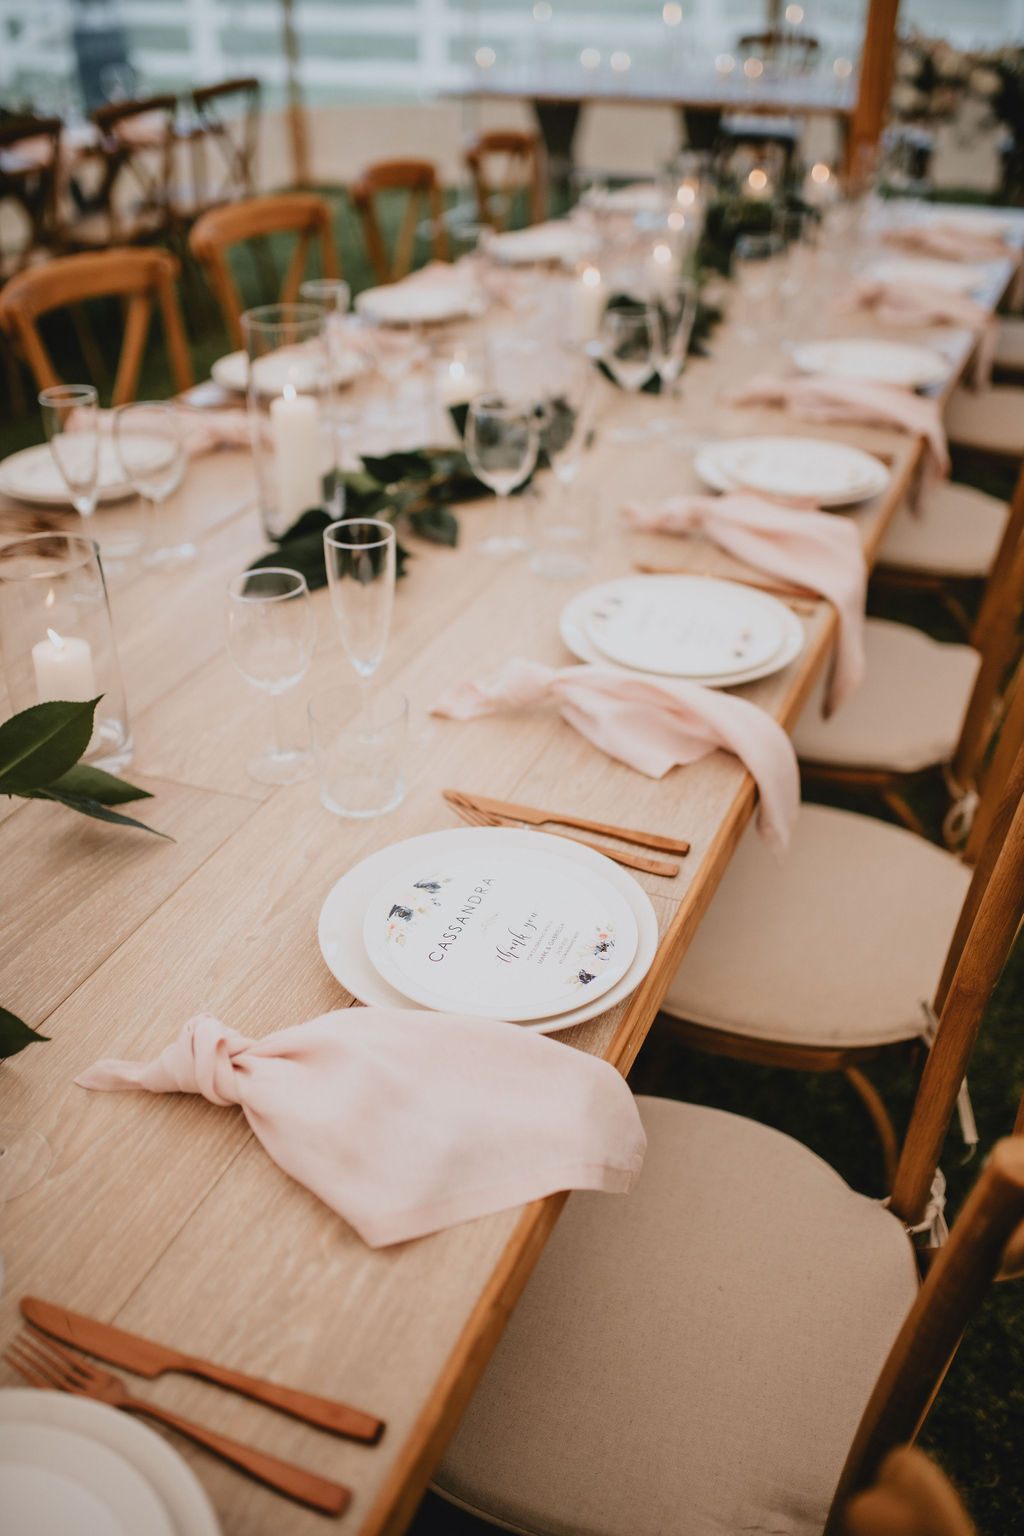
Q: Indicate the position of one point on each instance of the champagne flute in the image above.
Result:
(673, 312)
(502, 438)
(333, 296)
(271, 633)
(627, 346)
(71, 421)
(149, 443)
(756, 262)
(360, 554)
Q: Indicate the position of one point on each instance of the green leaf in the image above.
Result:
(398, 466)
(305, 555)
(94, 784)
(436, 524)
(15, 1034)
(93, 808)
(40, 743)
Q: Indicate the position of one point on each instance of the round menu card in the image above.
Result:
(507, 933)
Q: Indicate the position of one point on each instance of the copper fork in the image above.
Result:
(477, 818)
(46, 1364)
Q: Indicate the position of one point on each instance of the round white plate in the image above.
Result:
(420, 303)
(572, 628)
(558, 241)
(800, 468)
(957, 276)
(53, 1481)
(343, 913)
(883, 362)
(510, 933)
(32, 475)
(186, 1509)
(232, 372)
(685, 626)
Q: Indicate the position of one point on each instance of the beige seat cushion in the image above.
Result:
(834, 946)
(955, 532)
(988, 419)
(908, 712)
(1009, 351)
(692, 1358)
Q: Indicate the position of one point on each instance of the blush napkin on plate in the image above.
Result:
(854, 402)
(816, 549)
(652, 726)
(405, 1122)
(923, 304)
(201, 431)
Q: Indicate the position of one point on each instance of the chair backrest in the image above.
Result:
(137, 275)
(995, 636)
(419, 179)
(29, 177)
(137, 141)
(520, 163)
(986, 1244)
(299, 213)
(910, 1497)
(232, 133)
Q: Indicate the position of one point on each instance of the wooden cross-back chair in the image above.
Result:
(224, 141)
(739, 1342)
(299, 213)
(419, 179)
(520, 159)
(923, 705)
(138, 276)
(909, 1497)
(29, 179)
(821, 962)
(131, 203)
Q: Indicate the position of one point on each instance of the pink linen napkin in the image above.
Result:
(818, 551)
(857, 402)
(405, 1122)
(651, 726)
(921, 304)
(202, 431)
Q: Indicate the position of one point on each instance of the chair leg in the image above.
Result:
(873, 1103)
(15, 386)
(899, 807)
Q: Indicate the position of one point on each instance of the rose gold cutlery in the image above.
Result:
(145, 1358)
(45, 1364)
(473, 809)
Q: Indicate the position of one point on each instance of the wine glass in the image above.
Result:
(673, 311)
(627, 346)
(271, 633)
(569, 412)
(502, 438)
(360, 554)
(149, 443)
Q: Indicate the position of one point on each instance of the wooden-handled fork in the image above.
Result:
(471, 811)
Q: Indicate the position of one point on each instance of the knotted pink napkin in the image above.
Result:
(405, 1122)
(922, 304)
(651, 726)
(201, 431)
(816, 550)
(857, 402)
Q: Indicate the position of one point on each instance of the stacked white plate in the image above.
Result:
(719, 633)
(68, 1464)
(277, 369)
(557, 241)
(880, 362)
(957, 276)
(808, 469)
(498, 922)
(32, 476)
(422, 301)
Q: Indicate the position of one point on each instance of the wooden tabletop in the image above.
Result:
(163, 1213)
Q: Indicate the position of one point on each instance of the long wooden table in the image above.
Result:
(163, 1213)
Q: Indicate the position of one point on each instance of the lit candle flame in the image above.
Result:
(55, 639)
(820, 173)
(590, 277)
(289, 391)
(50, 599)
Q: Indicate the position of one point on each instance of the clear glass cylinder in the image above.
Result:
(291, 410)
(57, 635)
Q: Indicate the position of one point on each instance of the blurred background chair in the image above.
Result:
(223, 141)
(417, 178)
(130, 201)
(507, 166)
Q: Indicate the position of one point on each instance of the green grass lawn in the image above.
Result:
(975, 1429)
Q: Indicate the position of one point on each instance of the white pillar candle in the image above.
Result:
(589, 299)
(295, 434)
(63, 668)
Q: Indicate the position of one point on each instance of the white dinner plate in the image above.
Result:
(685, 626)
(232, 372)
(558, 241)
(883, 362)
(420, 302)
(957, 276)
(508, 933)
(32, 475)
(572, 628)
(810, 469)
(344, 912)
(53, 1481)
(118, 1445)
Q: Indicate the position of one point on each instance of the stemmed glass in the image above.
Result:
(569, 415)
(502, 438)
(74, 443)
(149, 443)
(673, 311)
(757, 266)
(271, 633)
(360, 554)
(333, 295)
(627, 346)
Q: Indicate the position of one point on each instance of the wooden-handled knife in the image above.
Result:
(148, 1359)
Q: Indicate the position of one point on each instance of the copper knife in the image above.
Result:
(148, 1359)
(536, 818)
